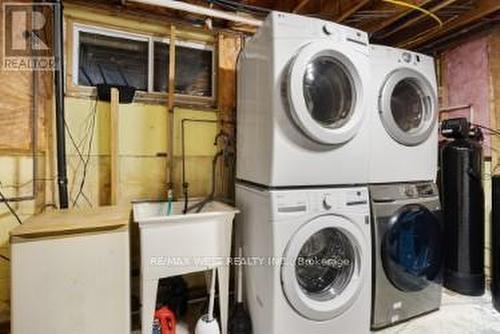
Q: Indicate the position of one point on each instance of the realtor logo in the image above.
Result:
(27, 40)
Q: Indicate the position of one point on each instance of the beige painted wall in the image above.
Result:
(142, 163)
(141, 149)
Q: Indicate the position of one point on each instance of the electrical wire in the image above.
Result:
(14, 213)
(241, 6)
(492, 131)
(88, 154)
(416, 7)
(80, 155)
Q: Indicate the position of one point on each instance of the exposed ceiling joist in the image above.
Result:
(350, 11)
(300, 6)
(377, 25)
(390, 23)
(418, 18)
(201, 10)
(483, 8)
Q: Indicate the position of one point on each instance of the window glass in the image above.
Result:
(193, 70)
(161, 60)
(112, 60)
(118, 60)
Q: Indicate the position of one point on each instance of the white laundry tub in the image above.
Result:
(180, 244)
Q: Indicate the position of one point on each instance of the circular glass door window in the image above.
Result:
(411, 248)
(328, 92)
(407, 105)
(321, 274)
(324, 91)
(325, 264)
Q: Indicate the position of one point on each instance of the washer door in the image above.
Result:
(324, 92)
(408, 107)
(321, 273)
(411, 248)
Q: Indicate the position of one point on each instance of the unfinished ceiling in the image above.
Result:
(395, 22)
(424, 25)
(414, 24)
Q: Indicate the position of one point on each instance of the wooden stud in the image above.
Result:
(494, 66)
(114, 142)
(300, 6)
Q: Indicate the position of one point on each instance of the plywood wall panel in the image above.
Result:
(15, 110)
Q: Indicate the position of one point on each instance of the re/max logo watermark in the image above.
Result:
(28, 36)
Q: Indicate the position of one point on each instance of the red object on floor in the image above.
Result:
(167, 320)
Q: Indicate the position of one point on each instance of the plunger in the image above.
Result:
(240, 322)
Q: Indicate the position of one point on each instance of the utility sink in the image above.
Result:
(156, 212)
(179, 244)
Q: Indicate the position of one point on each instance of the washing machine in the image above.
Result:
(404, 116)
(407, 231)
(302, 87)
(308, 259)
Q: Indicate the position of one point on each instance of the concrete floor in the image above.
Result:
(458, 315)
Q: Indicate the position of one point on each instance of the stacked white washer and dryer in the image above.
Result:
(302, 170)
(406, 215)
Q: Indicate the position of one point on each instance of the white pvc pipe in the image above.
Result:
(200, 10)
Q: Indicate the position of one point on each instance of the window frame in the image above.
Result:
(189, 44)
(150, 95)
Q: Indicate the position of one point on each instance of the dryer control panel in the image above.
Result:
(334, 200)
(404, 191)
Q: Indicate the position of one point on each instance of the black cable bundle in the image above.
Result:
(239, 321)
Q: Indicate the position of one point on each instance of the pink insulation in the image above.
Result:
(467, 81)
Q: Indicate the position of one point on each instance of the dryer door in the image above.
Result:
(407, 106)
(321, 272)
(412, 248)
(325, 93)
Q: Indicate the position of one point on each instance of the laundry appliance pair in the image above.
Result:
(310, 125)
(407, 230)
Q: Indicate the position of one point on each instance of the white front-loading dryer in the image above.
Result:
(302, 86)
(308, 259)
(403, 115)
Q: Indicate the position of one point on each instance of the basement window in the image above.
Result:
(120, 58)
(194, 68)
(113, 59)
